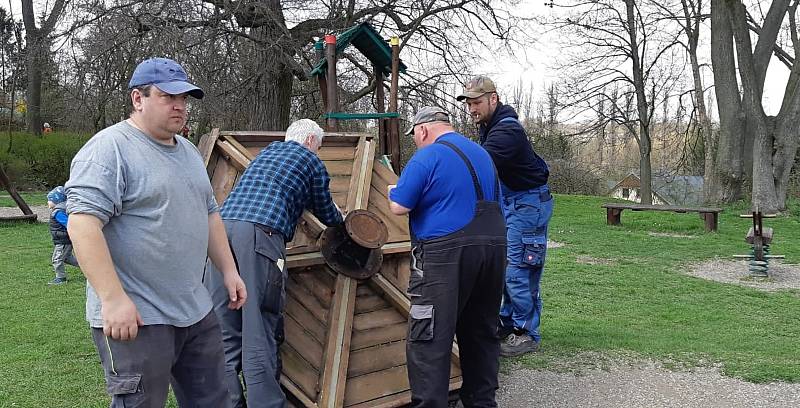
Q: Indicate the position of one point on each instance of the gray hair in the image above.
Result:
(299, 130)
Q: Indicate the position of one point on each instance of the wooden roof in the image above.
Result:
(367, 41)
(345, 339)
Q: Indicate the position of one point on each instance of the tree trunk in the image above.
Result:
(693, 19)
(642, 107)
(33, 64)
(37, 47)
(725, 184)
(269, 94)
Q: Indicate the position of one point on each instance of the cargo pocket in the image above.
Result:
(534, 246)
(421, 326)
(417, 275)
(274, 267)
(126, 389)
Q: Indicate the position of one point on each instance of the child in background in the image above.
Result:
(62, 246)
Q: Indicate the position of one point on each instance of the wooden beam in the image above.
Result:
(333, 98)
(337, 352)
(206, 145)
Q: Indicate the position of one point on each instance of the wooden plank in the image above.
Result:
(337, 352)
(356, 175)
(302, 295)
(223, 181)
(364, 192)
(370, 303)
(299, 371)
(337, 153)
(321, 291)
(238, 146)
(300, 261)
(364, 290)
(235, 157)
(378, 318)
(296, 392)
(377, 358)
(393, 294)
(339, 167)
(340, 184)
(301, 339)
(396, 247)
(206, 145)
(400, 399)
(375, 385)
(403, 272)
(381, 335)
(305, 319)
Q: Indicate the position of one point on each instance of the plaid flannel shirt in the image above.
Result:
(282, 181)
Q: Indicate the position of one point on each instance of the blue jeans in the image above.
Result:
(527, 216)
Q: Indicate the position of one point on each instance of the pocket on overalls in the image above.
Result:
(275, 266)
(533, 250)
(420, 328)
(417, 275)
(126, 388)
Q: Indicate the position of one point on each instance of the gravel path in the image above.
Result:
(638, 384)
(781, 276)
(43, 214)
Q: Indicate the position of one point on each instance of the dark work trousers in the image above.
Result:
(252, 336)
(455, 287)
(138, 372)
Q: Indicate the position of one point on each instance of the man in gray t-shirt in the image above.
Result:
(143, 219)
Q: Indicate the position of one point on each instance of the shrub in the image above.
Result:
(39, 163)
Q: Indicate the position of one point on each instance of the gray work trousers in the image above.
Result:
(252, 336)
(62, 253)
(138, 372)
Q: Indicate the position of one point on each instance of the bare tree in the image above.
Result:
(744, 125)
(37, 48)
(619, 48)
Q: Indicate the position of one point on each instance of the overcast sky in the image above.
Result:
(533, 63)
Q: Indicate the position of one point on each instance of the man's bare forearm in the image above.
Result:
(218, 249)
(91, 249)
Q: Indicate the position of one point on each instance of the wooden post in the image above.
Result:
(6, 182)
(319, 50)
(380, 106)
(711, 220)
(614, 216)
(333, 100)
(394, 133)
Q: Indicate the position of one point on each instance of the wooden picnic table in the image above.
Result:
(710, 215)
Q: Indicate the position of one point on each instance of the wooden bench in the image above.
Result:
(709, 215)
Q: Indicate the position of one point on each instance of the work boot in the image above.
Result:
(504, 331)
(57, 281)
(517, 345)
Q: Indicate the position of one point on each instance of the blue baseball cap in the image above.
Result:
(167, 75)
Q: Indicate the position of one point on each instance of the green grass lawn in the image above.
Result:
(639, 302)
(30, 197)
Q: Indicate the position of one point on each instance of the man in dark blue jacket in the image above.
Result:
(527, 205)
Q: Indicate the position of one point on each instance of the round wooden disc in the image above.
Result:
(366, 229)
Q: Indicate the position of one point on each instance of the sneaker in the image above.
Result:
(57, 281)
(517, 345)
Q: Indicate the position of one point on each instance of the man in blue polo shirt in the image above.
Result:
(450, 191)
(527, 205)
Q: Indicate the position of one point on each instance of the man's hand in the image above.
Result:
(121, 320)
(237, 293)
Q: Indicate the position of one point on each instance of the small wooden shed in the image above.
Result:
(345, 338)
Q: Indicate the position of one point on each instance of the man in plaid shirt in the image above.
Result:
(260, 216)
